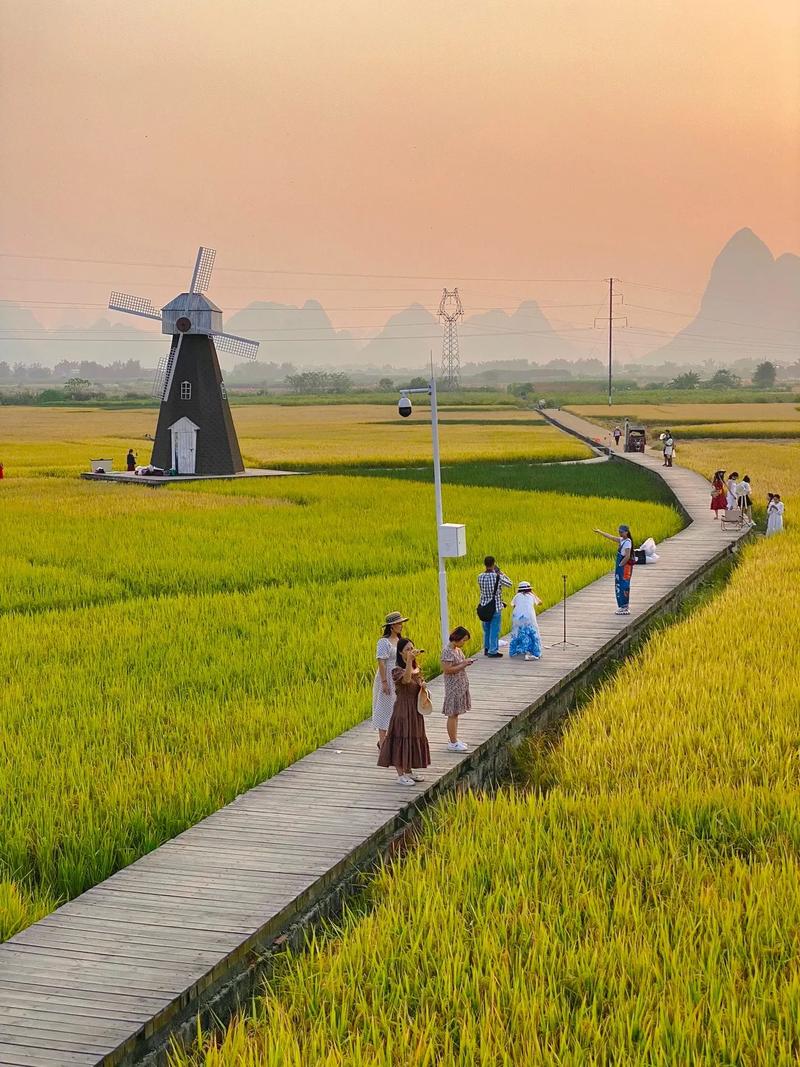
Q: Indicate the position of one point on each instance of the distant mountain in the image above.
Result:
(524, 334)
(750, 308)
(408, 337)
(290, 334)
(23, 339)
(405, 340)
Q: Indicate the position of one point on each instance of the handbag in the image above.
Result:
(486, 612)
(424, 702)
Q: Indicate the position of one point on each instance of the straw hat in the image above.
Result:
(524, 586)
(394, 617)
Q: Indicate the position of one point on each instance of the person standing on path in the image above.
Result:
(617, 435)
(130, 459)
(457, 700)
(383, 686)
(623, 567)
(733, 481)
(774, 515)
(490, 608)
(669, 449)
(719, 496)
(405, 746)
(525, 639)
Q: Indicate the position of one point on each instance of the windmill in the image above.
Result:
(195, 433)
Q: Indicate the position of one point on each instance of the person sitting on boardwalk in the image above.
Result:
(405, 746)
(774, 515)
(490, 608)
(383, 684)
(623, 567)
(457, 700)
(525, 639)
(719, 497)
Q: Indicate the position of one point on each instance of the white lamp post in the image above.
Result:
(450, 537)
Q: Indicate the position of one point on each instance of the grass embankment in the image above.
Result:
(640, 904)
(165, 650)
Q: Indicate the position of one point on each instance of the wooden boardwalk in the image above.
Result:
(92, 982)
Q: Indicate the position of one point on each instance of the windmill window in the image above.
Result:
(186, 390)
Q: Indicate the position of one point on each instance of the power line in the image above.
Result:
(298, 273)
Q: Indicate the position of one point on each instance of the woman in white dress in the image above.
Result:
(774, 515)
(731, 499)
(525, 639)
(383, 694)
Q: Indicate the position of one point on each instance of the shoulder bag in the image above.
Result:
(486, 612)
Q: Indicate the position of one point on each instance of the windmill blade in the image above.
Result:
(164, 370)
(157, 391)
(204, 264)
(133, 305)
(238, 346)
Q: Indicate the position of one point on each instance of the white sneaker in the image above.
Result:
(457, 746)
(405, 779)
(622, 611)
(417, 777)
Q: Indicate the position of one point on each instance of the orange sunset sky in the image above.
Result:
(443, 142)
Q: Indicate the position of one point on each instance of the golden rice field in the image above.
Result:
(164, 650)
(62, 441)
(692, 421)
(773, 468)
(638, 904)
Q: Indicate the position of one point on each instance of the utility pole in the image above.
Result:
(610, 332)
(450, 311)
(611, 319)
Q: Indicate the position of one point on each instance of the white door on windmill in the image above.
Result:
(184, 445)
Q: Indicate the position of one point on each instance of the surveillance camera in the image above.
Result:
(404, 407)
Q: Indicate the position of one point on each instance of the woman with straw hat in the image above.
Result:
(525, 639)
(383, 693)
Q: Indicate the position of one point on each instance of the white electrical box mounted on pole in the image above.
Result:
(452, 540)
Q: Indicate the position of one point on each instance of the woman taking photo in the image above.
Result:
(405, 746)
(383, 685)
(623, 567)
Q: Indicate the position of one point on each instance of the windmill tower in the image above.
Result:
(195, 433)
(450, 311)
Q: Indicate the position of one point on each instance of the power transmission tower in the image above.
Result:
(450, 311)
(610, 319)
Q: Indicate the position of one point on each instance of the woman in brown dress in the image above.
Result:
(405, 745)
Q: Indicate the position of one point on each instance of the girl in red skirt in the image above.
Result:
(719, 493)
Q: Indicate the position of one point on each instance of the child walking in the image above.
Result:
(456, 685)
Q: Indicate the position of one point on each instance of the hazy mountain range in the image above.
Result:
(750, 308)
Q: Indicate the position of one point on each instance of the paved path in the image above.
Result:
(86, 984)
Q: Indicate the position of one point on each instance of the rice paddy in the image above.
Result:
(638, 903)
(768, 421)
(165, 650)
(59, 442)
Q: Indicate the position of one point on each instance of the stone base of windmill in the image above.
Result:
(167, 479)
